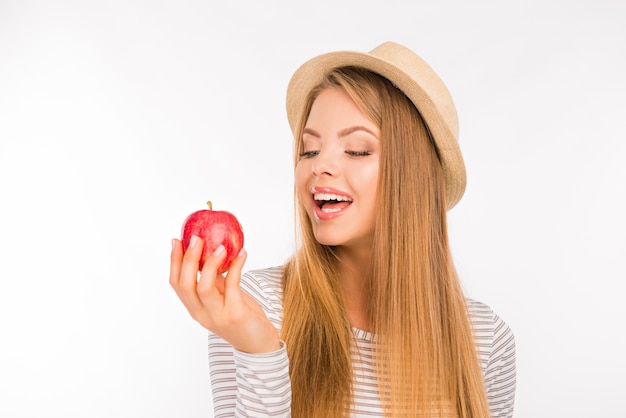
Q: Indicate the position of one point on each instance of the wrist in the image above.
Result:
(267, 347)
(259, 352)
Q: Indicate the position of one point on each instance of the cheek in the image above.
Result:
(366, 180)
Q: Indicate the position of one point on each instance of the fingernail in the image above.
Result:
(241, 252)
(173, 243)
(219, 250)
(193, 241)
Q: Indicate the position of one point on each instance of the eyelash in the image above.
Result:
(308, 154)
(311, 154)
(358, 153)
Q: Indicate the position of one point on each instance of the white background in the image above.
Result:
(119, 118)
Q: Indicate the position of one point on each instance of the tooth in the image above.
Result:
(331, 196)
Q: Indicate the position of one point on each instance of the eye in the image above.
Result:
(358, 153)
(308, 154)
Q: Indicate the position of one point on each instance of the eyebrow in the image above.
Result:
(343, 132)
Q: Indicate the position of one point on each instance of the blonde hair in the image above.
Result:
(426, 356)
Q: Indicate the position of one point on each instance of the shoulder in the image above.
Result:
(484, 319)
(263, 282)
(265, 286)
(493, 335)
(271, 276)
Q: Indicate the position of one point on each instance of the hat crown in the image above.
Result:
(416, 68)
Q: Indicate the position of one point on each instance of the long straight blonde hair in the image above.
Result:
(426, 358)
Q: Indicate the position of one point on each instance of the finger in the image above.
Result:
(232, 289)
(176, 259)
(210, 287)
(188, 278)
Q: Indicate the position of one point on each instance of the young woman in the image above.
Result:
(368, 317)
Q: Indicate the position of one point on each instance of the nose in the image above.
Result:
(324, 164)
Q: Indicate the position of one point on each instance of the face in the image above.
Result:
(337, 174)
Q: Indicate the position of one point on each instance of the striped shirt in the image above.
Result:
(258, 385)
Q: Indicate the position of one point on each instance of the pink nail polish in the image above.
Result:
(219, 250)
(193, 241)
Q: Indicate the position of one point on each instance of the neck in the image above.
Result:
(353, 270)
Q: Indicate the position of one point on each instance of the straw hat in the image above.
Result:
(416, 79)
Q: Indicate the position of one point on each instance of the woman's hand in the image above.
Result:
(217, 302)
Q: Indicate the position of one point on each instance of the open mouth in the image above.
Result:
(331, 203)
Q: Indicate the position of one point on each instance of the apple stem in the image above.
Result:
(209, 204)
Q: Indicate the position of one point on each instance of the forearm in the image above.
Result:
(249, 385)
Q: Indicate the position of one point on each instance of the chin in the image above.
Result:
(331, 241)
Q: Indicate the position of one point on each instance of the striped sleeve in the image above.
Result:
(496, 349)
(252, 385)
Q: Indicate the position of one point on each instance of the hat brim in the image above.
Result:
(416, 79)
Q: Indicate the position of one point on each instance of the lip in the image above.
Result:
(326, 216)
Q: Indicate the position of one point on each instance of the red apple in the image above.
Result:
(215, 228)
